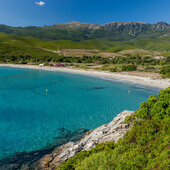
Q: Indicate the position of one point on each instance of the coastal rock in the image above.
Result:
(112, 131)
(52, 157)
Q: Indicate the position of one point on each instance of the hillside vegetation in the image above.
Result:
(145, 146)
(18, 45)
(12, 45)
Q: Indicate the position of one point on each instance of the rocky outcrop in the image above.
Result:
(50, 158)
(112, 131)
(116, 26)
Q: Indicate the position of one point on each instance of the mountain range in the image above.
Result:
(76, 31)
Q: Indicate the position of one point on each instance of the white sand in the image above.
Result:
(146, 81)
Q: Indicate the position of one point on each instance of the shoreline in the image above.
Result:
(52, 158)
(125, 77)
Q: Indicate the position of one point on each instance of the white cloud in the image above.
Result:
(40, 3)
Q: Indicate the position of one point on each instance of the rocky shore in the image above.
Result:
(53, 158)
(112, 131)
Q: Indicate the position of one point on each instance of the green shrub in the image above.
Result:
(129, 119)
(165, 71)
(71, 163)
(157, 107)
(24, 62)
(129, 68)
(113, 69)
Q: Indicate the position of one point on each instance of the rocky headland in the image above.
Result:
(49, 159)
(112, 131)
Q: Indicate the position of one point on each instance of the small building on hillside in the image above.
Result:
(41, 65)
(59, 65)
(159, 57)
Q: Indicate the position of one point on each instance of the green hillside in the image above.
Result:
(145, 146)
(19, 49)
(19, 45)
(161, 44)
(20, 42)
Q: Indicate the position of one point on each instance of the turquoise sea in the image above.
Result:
(35, 105)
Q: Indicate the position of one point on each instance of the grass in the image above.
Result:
(17, 44)
(160, 44)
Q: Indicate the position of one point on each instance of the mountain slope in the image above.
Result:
(76, 31)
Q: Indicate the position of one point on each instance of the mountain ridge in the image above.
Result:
(78, 22)
(77, 31)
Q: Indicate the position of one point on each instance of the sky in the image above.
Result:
(49, 12)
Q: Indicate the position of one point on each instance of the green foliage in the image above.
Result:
(12, 46)
(144, 110)
(118, 48)
(155, 107)
(114, 69)
(129, 68)
(129, 119)
(145, 146)
(160, 44)
(103, 45)
(165, 71)
(70, 164)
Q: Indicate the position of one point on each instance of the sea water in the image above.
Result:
(36, 104)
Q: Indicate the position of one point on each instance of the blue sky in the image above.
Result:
(48, 12)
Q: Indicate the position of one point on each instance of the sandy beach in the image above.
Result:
(126, 77)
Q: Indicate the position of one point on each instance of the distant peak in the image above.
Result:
(74, 22)
(78, 23)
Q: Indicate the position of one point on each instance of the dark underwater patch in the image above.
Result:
(29, 159)
(98, 88)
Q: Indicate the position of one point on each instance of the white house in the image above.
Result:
(41, 65)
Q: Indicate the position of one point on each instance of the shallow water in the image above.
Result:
(36, 105)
